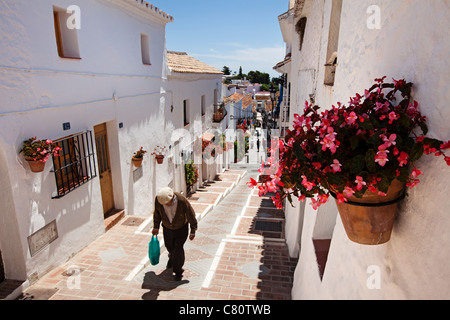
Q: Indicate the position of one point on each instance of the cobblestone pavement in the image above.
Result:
(239, 253)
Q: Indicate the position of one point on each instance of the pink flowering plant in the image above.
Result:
(39, 150)
(140, 153)
(349, 150)
(159, 151)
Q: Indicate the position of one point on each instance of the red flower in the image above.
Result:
(252, 183)
(403, 159)
(447, 159)
(445, 145)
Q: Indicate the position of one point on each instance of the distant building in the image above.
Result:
(194, 90)
(241, 86)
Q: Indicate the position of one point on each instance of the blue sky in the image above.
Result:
(229, 33)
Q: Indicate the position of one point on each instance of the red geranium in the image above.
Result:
(351, 149)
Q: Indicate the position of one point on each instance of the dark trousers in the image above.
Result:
(174, 241)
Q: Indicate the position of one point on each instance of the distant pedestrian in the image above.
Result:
(176, 213)
(257, 144)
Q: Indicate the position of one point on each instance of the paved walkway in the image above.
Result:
(239, 253)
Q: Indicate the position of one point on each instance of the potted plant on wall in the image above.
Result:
(138, 156)
(36, 152)
(191, 175)
(363, 154)
(159, 153)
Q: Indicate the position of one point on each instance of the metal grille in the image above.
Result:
(75, 164)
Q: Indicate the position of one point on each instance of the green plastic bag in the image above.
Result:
(154, 250)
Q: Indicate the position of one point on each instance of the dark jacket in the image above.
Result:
(184, 214)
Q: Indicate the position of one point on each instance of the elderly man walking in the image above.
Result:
(174, 211)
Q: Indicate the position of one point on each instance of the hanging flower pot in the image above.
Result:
(137, 162)
(364, 154)
(369, 220)
(159, 158)
(159, 153)
(36, 152)
(138, 157)
(35, 165)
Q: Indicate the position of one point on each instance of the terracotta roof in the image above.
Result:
(248, 99)
(236, 97)
(181, 62)
(282, 63)
(262, 95)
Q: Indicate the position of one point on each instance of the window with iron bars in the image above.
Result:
(75, 164)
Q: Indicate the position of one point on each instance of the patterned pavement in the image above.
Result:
(239, 253)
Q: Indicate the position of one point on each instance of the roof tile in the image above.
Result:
(181, 62)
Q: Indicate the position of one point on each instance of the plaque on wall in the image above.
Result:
(42, 238)
(137, 174)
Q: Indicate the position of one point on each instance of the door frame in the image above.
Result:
(101, 129)
(2, 269)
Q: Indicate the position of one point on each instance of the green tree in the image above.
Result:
(259, 77)
(226, 71)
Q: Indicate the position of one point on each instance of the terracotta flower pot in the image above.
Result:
(35, 165)
(159, 158)
(137, 162)
(369, 220)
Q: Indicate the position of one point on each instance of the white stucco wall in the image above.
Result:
(40, 91)
(192, 87)
(411, 43)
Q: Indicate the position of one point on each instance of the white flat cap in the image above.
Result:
(164, 195)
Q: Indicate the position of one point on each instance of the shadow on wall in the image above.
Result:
(10, 244)
(138, 188)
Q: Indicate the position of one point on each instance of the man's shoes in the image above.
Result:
(178, 276)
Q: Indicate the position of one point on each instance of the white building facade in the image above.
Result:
(194, 93)
(338, 48)
(93, 77)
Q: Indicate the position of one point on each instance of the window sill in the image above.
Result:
(72, 185)
(70, 58)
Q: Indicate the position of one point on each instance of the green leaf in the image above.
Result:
(375, 138)
(366, 125)
(370, 161)
(416, 152)
(298, 151)
(357, 164)
(404, 174)
(334, 178)
(433, 143)
(354, 142)
(405, 120)
(424, 127)
(383, 184)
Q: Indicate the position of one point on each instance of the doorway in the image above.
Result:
(104, 168)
